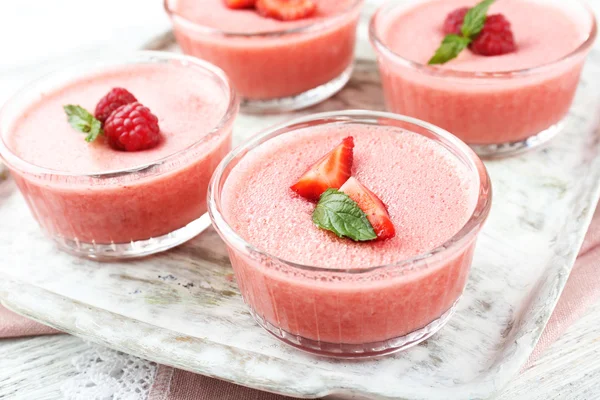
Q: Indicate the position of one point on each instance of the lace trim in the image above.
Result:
(104, 374)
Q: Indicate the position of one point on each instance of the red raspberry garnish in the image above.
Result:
(454, 21)
(286, 10)
(238, 4)
(495, 38)
(132, 127)
(114, 99)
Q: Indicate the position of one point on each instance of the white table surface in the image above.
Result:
(37, 36)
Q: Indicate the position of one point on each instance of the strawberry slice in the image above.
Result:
(237, 4)
(331, 171)
(371, 205)
(286, 10)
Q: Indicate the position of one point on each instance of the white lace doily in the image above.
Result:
(104, 374)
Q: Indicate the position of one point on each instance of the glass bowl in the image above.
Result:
(496, 113)
(120, 213)
(354, 312)
(279, 69)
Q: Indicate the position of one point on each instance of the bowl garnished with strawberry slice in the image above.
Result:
(499, 74)
(335, 215)
(280, 54)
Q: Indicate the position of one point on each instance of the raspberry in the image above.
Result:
(496, 37)
(454, 21)
(114, 99)
(132, 127)
(286, 10)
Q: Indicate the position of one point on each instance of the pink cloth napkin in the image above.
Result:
(176, 384)
(582, 290)
(13, 325)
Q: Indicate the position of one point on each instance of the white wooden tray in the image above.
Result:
(183, 308)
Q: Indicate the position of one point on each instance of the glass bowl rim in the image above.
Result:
(379, 45)
(315, 26)
(468, 232)
(15, 162)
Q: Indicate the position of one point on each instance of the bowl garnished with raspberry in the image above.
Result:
(499, 35)
(501, 75)
(125, 172)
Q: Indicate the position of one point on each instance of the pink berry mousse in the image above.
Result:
(299, 285)
(92, 193)
(475, 96)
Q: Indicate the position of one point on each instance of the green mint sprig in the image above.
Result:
(83, 121)
(472, 25)
(450, 48)
(338, 213)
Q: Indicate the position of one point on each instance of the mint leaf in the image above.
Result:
(450, 48)
(83, 121)
(338, 213)
(475, 19)
(79, 118)
(95, 131)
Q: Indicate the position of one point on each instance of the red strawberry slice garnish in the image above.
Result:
(372, 206)
(237, 4)
(331, 171)
(286, 10)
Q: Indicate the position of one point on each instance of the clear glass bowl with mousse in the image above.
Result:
(500, 105)
(99, 202)
(334, 296)
(273, 65)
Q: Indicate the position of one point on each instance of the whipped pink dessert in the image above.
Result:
(92, 193)
(480, 98)
(267, 58)
(300, 286)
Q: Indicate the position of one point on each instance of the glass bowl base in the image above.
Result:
(299, 101)
(353, 351)
(501, 150)
(134, 249)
